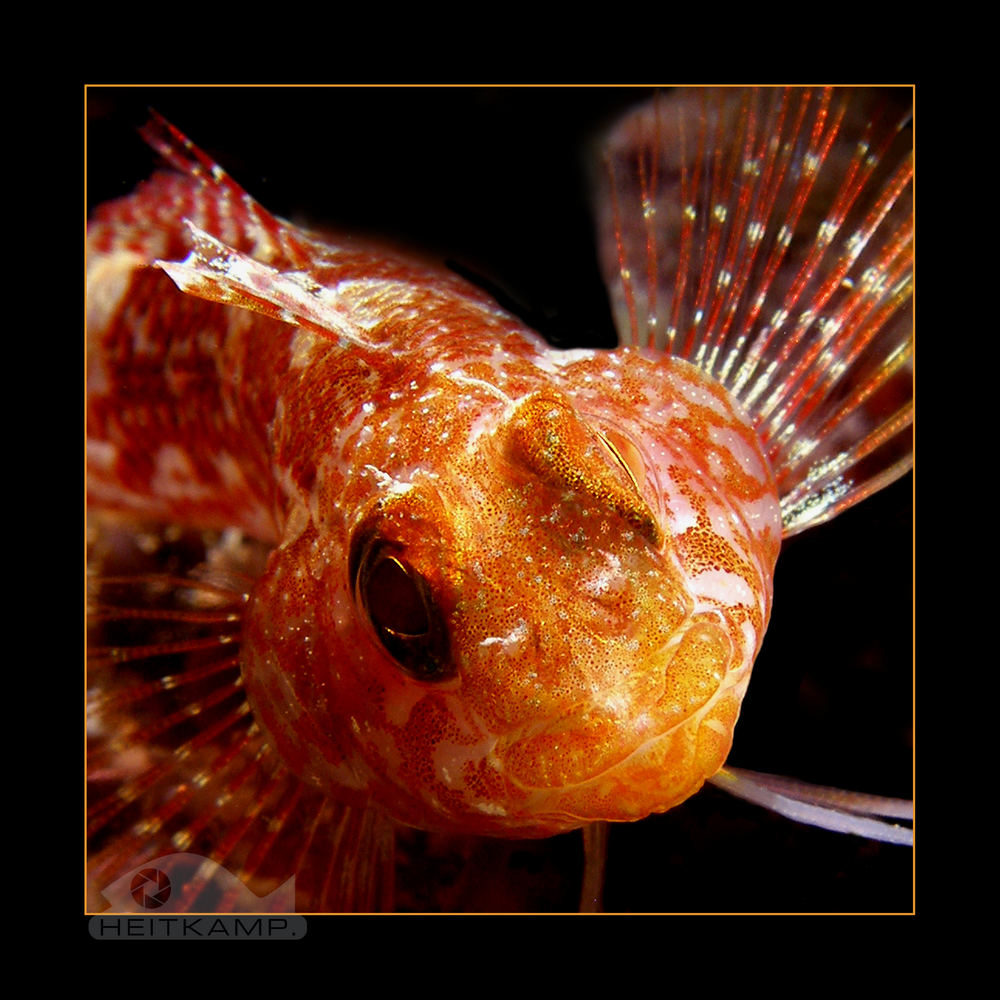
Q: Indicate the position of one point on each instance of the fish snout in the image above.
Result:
(649, 735)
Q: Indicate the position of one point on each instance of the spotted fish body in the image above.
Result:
(583, 542)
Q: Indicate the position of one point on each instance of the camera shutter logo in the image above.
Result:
(151, 888)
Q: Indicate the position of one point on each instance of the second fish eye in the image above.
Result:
(622, 451)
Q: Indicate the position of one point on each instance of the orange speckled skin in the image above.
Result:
(596, 532)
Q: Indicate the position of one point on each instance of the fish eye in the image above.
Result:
(402, 612)
(625, 453)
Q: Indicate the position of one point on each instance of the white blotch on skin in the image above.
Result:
(384, 481)
(511, 642)
(605, 582)
(108, 280)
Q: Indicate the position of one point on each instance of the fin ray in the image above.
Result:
(767, 237)
(828, 808)
(176, 761)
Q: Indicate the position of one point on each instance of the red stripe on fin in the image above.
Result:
(275, 240)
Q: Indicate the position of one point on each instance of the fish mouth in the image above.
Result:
(626, 757)
(652, 777)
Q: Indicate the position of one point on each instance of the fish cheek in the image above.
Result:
(322, 685)
(298, 674)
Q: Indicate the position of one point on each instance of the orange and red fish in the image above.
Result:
(492, 588)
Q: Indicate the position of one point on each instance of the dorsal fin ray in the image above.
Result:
(766, 236)
(241, 255)
(273, 279)
(288, 248)
(217, 272)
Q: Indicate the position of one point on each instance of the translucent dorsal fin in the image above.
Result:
(271, 279)
(285, 246)
(766, 236)
(219, 273)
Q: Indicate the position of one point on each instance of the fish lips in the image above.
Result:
(621, 758)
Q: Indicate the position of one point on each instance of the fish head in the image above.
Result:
(505, 639)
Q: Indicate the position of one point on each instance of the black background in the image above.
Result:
(495, 180)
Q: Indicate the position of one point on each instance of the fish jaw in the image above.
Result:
(597, 600)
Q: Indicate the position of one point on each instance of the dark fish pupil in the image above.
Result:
(401, 608)
(395, 603)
